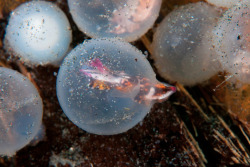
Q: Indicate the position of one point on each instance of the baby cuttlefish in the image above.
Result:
(103, 78)
(129, 17)
(106, 86)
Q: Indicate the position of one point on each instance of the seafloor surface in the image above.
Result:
(196, 127)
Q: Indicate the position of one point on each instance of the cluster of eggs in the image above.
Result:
(195, 42)
(105, 85)
(39, 32)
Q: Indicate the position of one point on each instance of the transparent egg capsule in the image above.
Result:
(127, 19)
(232, 41)
(21, 111)
(106, 86)
(182, 48)
(224, 3)
(39, 33)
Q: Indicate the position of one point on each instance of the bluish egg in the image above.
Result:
(21, 111)
(182, 47)
(232, 41)
(127, 19)
(106, 86)
(39, 33)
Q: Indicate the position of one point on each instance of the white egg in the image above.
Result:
(127, 19)
(232, 41)
(21, 111)
(182, 48)
(39, 33)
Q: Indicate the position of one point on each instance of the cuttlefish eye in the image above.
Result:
(116, 100)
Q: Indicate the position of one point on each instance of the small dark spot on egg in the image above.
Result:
(238, 37)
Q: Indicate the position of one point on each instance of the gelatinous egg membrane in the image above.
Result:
(127, 19)
(39, 33)
(21, 111)
(106, 86)
(182, 48)
(224, 3)
(232, 41)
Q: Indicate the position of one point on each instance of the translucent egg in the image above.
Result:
(21, 111)
(39, 33)
(127, 19)
(224, 3)
(182, 48)
(106, 86)
(232, 41)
